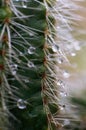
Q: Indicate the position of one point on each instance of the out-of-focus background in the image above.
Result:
(77, 80)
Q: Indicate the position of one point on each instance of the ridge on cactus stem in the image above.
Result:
(35, 39)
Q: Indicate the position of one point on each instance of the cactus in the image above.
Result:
(24, 67)
(30, 58)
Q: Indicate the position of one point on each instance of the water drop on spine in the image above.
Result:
(55, 48)
(24, 3)
(30, 64)
(31, 50)
(66, 122)
(14, 72)
(26, 80)
(21, 104)
(60, 83)
(66, 74)
(73, 54)
(59, 60)
(63, 94)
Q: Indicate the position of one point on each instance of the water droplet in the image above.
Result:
(21, 104)
(62, 109)
(9, 92)
(58, 27)
(60, 60)
(14, 72)
(60, 83)
(26, 80)
(66, 122)
(21, 54)
(30, 64)
(63, 94)
(31, 50)
(77, 46)
(31, 33)
(66, 74)
(24, 3)
(73, 54)
(14, 68)
(55, 48)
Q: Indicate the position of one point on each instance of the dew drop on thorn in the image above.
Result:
(21, 104)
